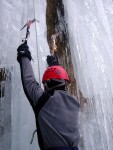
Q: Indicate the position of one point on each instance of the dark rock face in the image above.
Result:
(55, 19)
(5, 108)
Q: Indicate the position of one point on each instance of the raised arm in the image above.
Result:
(31, 87)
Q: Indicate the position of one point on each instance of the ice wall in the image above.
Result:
(91, 37)
(21, 124)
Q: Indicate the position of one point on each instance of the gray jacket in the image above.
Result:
(58, 118)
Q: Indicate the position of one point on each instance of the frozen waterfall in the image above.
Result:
(91, 41)
(16, 129)
(90, 27)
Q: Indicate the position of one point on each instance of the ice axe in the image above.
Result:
(28, 24)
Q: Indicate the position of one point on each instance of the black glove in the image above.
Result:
(52, 60)
(23, 51)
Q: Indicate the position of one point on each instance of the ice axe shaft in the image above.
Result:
(28, 25)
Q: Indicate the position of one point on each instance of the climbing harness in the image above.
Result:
(28, 24)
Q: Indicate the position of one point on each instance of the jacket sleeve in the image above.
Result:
(31, 87)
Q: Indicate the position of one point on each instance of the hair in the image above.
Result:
(54, 84)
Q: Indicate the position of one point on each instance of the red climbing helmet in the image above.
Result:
(55, 72)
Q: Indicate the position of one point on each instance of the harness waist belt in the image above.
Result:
(64, 148)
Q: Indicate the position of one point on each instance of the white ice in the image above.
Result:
(13, 15)
(91, 42)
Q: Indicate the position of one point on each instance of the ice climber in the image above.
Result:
(56, 111)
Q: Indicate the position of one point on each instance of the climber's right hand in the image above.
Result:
(23, 51)
(52, 60)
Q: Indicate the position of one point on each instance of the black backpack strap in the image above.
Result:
(41, 102)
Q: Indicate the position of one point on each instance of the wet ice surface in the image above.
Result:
(91, 35)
